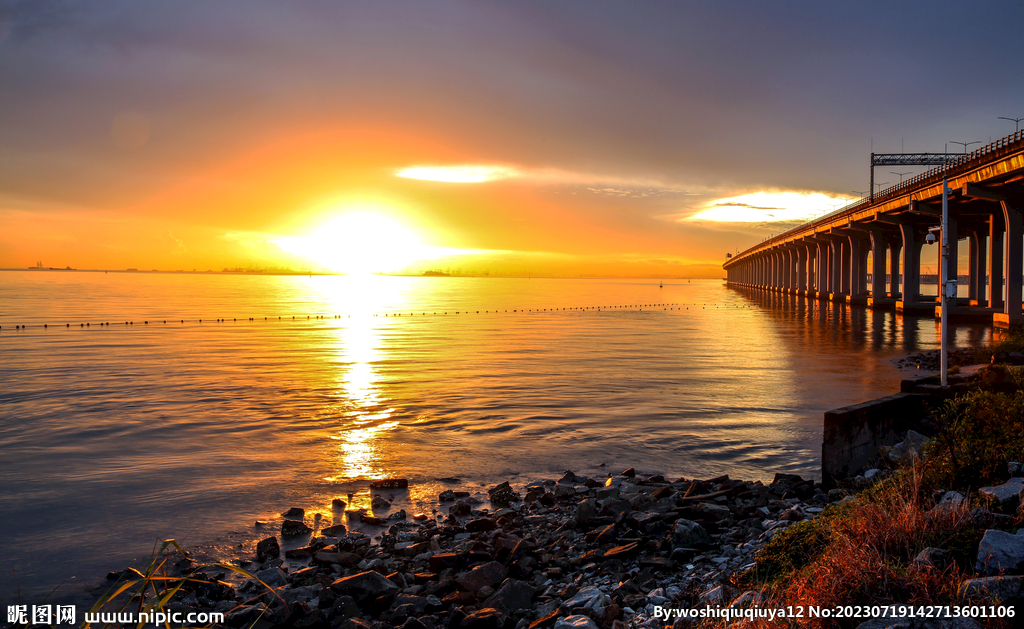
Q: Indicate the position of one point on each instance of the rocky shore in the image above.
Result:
(576, 552)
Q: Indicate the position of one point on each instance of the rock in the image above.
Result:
(334, 531)
(487, 618)
(503, 494)
(908, 449)
(273, 577)
(481, 524)
(1014, 468)
(792, 515)
(689, 534)
(347, 560)
(390, 483)
(295, 512)
(268, 549)
(442, 561)
(1000, 552)
(576, 622)
(294, 528)
(1001, 588)
(933, 558)
(338, 504)
(1007, 495)
(629, 473)
(512, 596)
(586, 511)
(590, 597)
(379, 502)
(490, 574)
(365, 587)
(623, 553)
(446, 496)
(460, 508)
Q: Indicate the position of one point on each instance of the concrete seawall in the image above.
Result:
(852, 435)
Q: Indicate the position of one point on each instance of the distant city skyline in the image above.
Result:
(526, 138)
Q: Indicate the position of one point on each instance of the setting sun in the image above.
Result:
(358, 243)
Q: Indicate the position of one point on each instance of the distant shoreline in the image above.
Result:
(333, 274)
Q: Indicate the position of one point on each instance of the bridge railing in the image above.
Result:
(954, 162)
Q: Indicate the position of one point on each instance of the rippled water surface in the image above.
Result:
(112, 436)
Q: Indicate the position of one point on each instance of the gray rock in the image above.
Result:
(908, 449)
(1000, 588)
(490, 574)
(365, 587)
(689, 534)
(511, 596)
(999, 552)
(933, 558)
(1014, 468)
(575, 622)
(1007, 495)
(589, 597)
(273, 577)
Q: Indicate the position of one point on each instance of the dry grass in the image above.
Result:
(868, 558)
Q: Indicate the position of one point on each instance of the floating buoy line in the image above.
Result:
(636, 307)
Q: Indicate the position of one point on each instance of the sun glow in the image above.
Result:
(769, 207)
(456, 174)
(359, 243)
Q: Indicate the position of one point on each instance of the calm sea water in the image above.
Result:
(114, 436)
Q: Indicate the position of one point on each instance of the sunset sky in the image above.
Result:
(549, 137)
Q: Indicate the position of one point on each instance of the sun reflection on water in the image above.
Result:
(366, 411)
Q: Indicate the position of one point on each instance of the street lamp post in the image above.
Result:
(1016, 122)
(900, 174)
(966, 144)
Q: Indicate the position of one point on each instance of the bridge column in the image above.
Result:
(977, 269)
(1013, 256)
(858, 277)
(836, 264)
(801, 270)
(821, 273)
(995, 262)
(895, 249)
(811, 251)
(910, 287)
(878, 248)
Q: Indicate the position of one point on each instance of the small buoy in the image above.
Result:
(44, 325)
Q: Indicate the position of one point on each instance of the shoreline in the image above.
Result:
(607, 549)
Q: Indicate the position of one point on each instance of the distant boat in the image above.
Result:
(661, 285)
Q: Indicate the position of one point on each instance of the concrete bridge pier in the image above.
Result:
(895, 248)
(837, 262)
(976, 271)
(1012, 246)
(821, 273)
(857, 283)
(949, 269)
(878, 298)
(801, 270)
(995, 262)
(911, 286)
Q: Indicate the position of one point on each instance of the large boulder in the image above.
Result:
(1007, 495)
(1000, 552)
(999, 588)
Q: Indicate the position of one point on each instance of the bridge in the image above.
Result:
(827, 258)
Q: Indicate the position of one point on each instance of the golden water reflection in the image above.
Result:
(366, 411)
